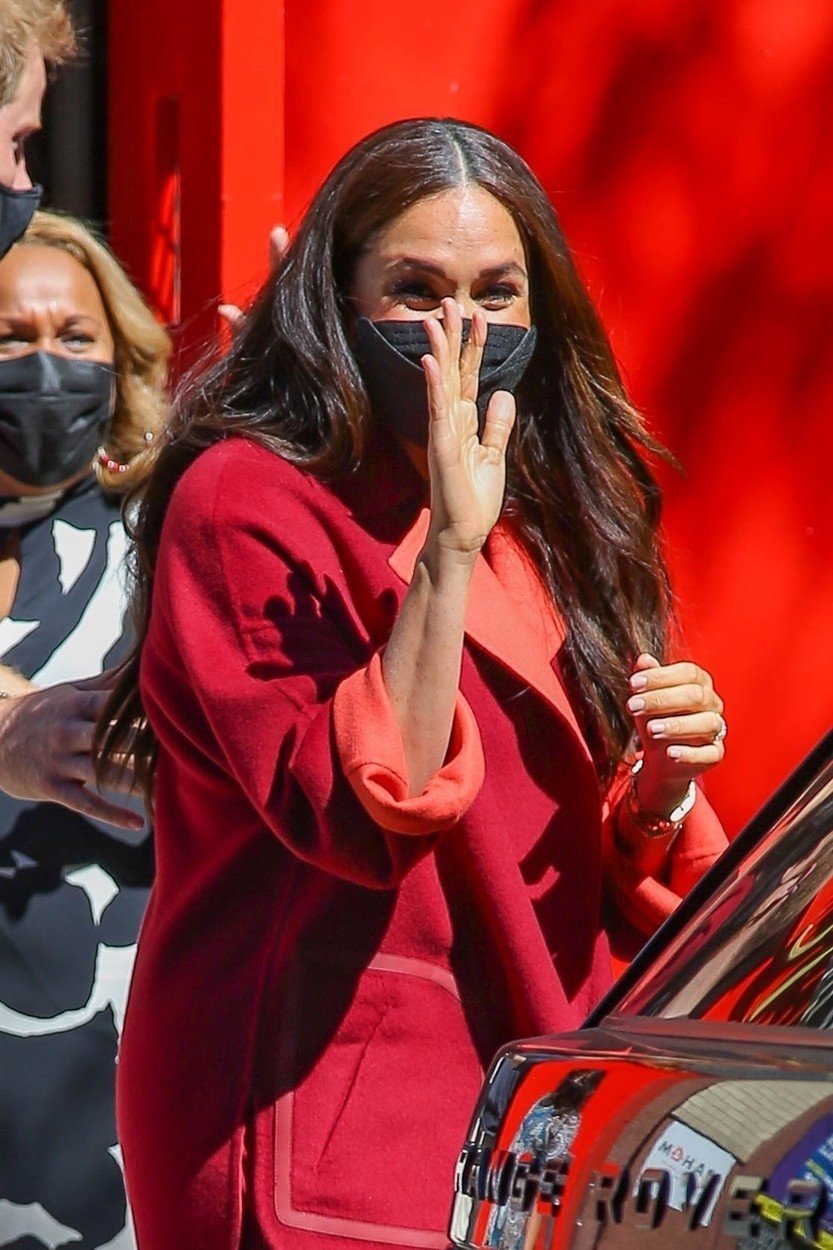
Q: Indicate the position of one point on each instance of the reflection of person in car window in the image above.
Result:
(547, 1133)
(82, 385)
(763, 952)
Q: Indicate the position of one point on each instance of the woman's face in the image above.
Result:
(461, 244)
(49, 303)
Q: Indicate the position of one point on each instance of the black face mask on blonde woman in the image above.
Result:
(53, 415)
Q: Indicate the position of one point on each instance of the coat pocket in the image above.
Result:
(380, 1077)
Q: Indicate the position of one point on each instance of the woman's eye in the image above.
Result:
(11, 340)
(415, 293)
(77, 339)
(498, 296)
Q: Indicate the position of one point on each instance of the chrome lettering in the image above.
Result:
(501, 1176)
(700, 1203)
(742, 1219)
(653, 1190)
(609, 1187)
(530, 1182)
(803, 1204)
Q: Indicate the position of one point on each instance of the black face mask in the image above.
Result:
(17, 208)
(388, 355)
(53, 415)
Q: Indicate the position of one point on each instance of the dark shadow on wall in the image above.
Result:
(69, 156)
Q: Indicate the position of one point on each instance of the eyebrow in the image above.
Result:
(17, 318)
(510, 269)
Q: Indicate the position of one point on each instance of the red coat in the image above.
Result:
(326, 966)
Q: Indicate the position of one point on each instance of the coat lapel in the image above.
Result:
(508, 615)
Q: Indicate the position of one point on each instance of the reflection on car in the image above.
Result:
(696, 1106)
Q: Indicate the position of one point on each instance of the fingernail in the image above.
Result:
(636, 704)
(639, 681)
(675, 753)
(656, 728)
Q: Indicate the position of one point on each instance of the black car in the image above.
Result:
(696, 1106)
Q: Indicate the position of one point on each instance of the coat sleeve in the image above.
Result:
(644, 901)
(290, 696)
(372, 757)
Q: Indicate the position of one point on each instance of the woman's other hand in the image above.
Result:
(45, 740)
(467, 473)
(233, 315)
(679, 717)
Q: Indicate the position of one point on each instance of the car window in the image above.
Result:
(760, 949)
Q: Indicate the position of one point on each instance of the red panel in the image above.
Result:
(182, 69)
(252, 123)
(352, 67)
(196, 112)
(165, 277)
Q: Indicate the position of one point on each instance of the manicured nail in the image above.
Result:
(636, 704)
(639, 681)
(675, 753)
(656, 728)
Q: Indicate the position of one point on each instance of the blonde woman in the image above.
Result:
(83, 371)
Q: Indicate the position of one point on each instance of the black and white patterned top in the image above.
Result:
(72, 893)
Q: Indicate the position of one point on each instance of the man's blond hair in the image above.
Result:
(44, 23)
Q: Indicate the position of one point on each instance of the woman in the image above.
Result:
(83, 368)
(392, 674)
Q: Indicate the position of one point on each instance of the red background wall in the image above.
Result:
(686, 146)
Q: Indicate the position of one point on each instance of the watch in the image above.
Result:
(658, 826)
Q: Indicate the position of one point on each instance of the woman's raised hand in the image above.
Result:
(467, 473)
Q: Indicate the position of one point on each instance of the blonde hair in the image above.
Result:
(44, 23)
(142, 349)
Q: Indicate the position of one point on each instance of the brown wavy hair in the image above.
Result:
(44, 23)
(580, 488)
(142, 349)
